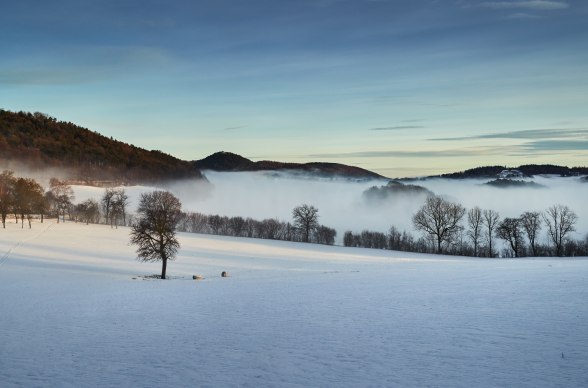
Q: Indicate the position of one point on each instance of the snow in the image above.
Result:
(76, 312)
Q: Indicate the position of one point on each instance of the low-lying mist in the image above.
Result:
(343, 206)
(511, 202)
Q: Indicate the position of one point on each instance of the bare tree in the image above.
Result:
(199, 223)
(41, 205)
(7, 181)
(268, 229)
(510, 230)
(117, 206)
(120, 202)
(440, 219)
(475, 227)
(215, 222)
(155, 231)
(107, 199)
(560, 221)
(305, 220)
(225, 229)
(326, 235)
(237, 225)
(27, 193)
(531, 222)
(490, 220)
(89, 210)
(63, 195)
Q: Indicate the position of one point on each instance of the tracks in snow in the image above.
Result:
(7, 254)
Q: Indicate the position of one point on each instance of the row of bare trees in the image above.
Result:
(442, 220)
(25, 197)
(304, 226)
(448, 228)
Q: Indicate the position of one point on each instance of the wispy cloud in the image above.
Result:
(523, 16)
(539, 5)
(397, 128)
(532, 134)
(92, 64)
(69, 76)
(234, 128)
(557, 145)
(458, 152)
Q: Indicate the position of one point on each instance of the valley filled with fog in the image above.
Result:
(342, 204)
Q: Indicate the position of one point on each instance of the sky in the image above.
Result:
(403, 88)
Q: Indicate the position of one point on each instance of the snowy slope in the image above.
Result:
(290, 315)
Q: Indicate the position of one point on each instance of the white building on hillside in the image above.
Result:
(508, 174)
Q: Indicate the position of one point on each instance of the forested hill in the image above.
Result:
(227, 161)
(37, 140)
(527, 169)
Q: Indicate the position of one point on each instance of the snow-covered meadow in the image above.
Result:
(77, 312)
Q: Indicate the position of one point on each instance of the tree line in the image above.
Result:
(25, 198)
(303, 228)
(448, 228)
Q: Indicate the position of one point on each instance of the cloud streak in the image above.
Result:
(537, 5)
(557, 145)
(92, 64)
(458, 152)
(532, 134)
(523, 16)
(397, 128)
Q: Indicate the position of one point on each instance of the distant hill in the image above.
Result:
(394, 190)
(513, 183)
(227, 161)
(36, 140)
(527, 169)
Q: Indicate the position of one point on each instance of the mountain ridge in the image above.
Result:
(527, 170)
(39, 141)
(230, 162)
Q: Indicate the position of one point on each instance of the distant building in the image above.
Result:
(508, 174)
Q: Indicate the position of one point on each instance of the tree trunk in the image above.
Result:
(163, 267)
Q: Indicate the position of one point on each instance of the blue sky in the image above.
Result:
(399, 87)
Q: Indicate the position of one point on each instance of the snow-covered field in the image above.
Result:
(76, 312)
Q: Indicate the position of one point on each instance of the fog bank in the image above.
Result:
(341, 204)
